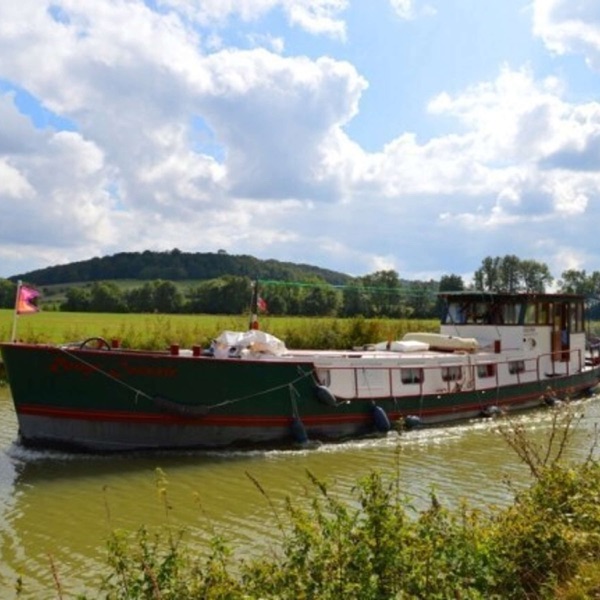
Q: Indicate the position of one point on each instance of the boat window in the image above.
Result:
(324, 376)
(580, 317)
(516, 366)
(451, 373)
(457, 313)
(543, 317)
(576, 322)
(530, 314)
(411, 375)
(510, 314)
(481, 313)
(486, 370)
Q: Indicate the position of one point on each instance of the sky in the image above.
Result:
(356, 135)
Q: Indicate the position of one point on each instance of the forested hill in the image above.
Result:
(175, 265)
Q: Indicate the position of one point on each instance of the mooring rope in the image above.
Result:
(267, 391)
(138, 392)
(294, 396)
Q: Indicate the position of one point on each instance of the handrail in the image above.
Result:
(469, 373)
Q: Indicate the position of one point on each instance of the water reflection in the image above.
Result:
(63, 506)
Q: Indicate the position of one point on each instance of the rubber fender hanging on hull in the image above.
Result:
(325, 395)
(299, 431)
(177, 408)
(491, 411)
(381, 420)
(552, 401)
(412, 422)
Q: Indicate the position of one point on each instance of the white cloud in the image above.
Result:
(314, 16)
(181, 138)
(318, 16)
(524, 137)
(566, 26)
(275, 116)
(408, 9)
(13, 184)
(132, 98)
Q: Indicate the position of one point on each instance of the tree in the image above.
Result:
(321, 300)
(78, 300)
(107, 297)
(511, 274)
(579, 282)
(422, 300)
(8, 291)
(451, 283)
(141, 299)
(355, 300)
(167, 297)
(284, 299)
(535, 276)
(487, 276)
(225, 295)
(383, 288)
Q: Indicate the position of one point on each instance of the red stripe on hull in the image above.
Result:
(167, 419)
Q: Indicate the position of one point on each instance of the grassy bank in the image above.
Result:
(158, 331)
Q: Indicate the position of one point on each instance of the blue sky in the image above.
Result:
(414, 135)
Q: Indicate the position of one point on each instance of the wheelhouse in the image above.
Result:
(556, 321)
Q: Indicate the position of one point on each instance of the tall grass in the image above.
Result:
(158, 331)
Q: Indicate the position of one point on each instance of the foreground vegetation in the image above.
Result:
(378, 547)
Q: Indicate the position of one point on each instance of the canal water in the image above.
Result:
(57, 510)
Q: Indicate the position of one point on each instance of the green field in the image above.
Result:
(158, 331)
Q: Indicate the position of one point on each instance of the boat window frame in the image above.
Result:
(323, 376)
(531, 313)
(514, 309)
(515, 367)
(544, 313)
(486, 370)
(412, 375)
(451, 373)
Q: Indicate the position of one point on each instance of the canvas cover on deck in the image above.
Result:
(233, 343)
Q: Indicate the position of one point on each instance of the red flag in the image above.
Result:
(25, 300)
(261, 304)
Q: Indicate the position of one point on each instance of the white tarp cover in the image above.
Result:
(440, 340)
(232, 343)
(403, 346)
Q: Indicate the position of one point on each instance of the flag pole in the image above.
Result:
(254, 307)
(13, 335)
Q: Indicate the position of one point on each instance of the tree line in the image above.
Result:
(175, 265)
(377, 295)
(380, 294)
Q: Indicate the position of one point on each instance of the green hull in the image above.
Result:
(104, 400)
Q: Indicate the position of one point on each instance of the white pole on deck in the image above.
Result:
(13, 335)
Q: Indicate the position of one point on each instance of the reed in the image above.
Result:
(158, 331)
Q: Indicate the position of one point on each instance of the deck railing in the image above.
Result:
(536, 369)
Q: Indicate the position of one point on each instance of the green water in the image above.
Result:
(56, 509)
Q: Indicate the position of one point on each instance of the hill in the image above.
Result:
(175, 265)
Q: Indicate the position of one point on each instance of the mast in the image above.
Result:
(254, 306)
